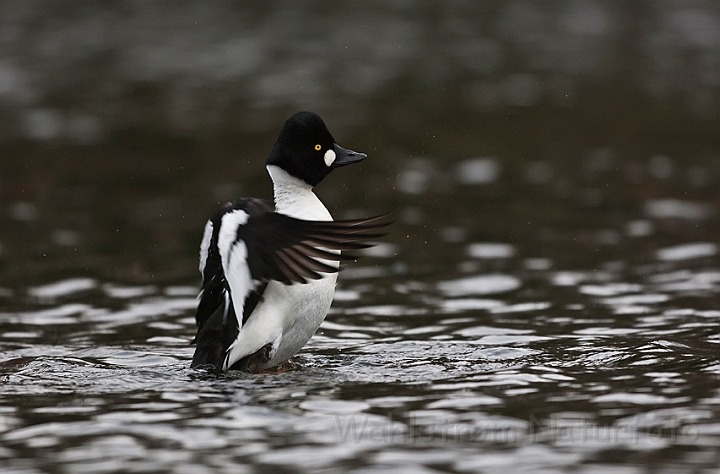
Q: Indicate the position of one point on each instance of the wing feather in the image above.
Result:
(245, 245)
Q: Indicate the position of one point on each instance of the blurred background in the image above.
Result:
(123, 125)
(547, 298)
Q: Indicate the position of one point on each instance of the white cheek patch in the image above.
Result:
(329, 157)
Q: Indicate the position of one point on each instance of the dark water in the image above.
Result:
(548, 299)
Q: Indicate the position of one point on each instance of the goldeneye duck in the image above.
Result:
(269, 272)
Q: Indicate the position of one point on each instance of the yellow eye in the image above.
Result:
(318, 147)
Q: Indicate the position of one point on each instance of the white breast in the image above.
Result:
(288, 315)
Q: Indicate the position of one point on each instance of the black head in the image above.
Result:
(307, 151)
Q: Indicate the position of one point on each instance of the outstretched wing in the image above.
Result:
(286, 249)
(245, 245)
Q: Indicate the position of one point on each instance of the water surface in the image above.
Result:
(547, 299)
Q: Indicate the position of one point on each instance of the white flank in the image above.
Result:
(228, 232)
(329, 157)
(205, 245)
(233, 256)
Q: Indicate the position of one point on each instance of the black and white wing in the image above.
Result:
(245, 245)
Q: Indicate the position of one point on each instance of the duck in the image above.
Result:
(269, 269)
